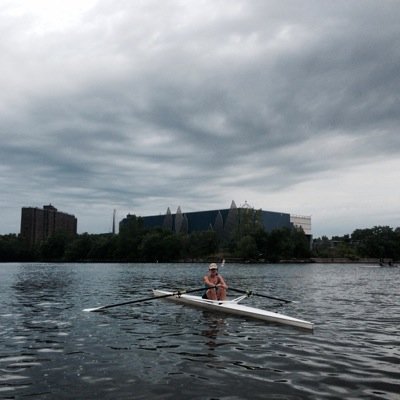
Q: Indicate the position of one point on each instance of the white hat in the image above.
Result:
(213, 266)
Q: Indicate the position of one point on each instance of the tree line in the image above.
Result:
(134, 243)
(381, 242)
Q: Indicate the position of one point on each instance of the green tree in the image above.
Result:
(103, 248)
(202, 244)
(261, 238)
(79, 248)
(231, 223)
(322, 247)
(133, 226)
(247, 248)
(13, 248)
(300, 244)
(279, 245)
(53, 248)
(159, 245)
(130, 236)
(250, 222)
(377, 242)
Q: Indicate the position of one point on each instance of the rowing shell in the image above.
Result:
(232, 307)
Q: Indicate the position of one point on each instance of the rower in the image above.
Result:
(215, 284)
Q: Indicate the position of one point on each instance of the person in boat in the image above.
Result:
(215, 283)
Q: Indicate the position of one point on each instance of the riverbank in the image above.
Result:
(312, 260)
(228, 260)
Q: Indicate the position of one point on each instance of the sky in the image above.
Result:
(141, 105)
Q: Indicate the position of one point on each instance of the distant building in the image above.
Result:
(223, 221)
(38, 224)
(302, 221)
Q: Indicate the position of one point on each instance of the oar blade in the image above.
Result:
(89, 309)
(93, 309)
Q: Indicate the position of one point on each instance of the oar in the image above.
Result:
(177, 293)
(250, 293)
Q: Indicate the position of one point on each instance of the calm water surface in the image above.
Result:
(51, 349)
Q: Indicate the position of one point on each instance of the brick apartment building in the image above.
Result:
(38, 224)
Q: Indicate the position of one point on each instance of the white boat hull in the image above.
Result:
(231, 307)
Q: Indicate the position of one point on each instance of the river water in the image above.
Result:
(51, 349)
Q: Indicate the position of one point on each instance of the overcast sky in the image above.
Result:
(292, 106)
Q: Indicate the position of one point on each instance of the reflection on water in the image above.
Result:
(215, 324)
(42, 280)
(50, 349)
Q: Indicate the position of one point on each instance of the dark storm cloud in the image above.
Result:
(141, 106)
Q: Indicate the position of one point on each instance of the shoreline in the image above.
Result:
(230, 260)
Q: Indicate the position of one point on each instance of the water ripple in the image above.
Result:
(50, 349)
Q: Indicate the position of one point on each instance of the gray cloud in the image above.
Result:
(140, 106)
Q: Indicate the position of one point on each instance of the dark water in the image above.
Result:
(51, 349)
